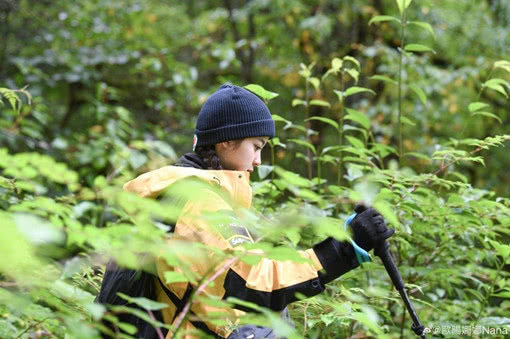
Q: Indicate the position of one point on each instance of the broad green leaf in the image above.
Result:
(418, 155)
(353, 60)
(358, 117)
(297, 102)
(387, 211)
(475, 106)
(355, 90)
(402, 5)
(261, 91)
(317, 102)
(303, 143)
(502, 249)
(264, 170)
(355, 142)
(128, 328)
(505, 294)
(353, 73)
(173, 277)
(383, 78)
(144, 303)
(315, 82)
(407, 121)
(503, 64)
(418, 48)
(292, 178)
(339, 94)
(497, 85)
(487, 114)
(325, 120)
(277, 118)
(336, 64)
(419, 92)
(424, 25)
(382, 18)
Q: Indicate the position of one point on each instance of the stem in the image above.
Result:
(489, 292)
(158, 330)
(182, 316)
(402, 36)
(477, 99)
(308, 151)
(341, 131)
(273, 160)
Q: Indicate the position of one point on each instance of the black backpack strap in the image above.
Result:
(179, 306)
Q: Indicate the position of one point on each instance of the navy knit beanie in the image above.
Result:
(232, 113)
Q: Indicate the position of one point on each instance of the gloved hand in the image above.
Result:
(369, 228)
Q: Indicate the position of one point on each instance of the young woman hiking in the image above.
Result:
(232, 128)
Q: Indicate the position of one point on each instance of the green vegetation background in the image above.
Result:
(401, 104)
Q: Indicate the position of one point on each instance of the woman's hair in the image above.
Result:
(209, 157)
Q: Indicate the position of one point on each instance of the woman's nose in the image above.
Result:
(257, 161)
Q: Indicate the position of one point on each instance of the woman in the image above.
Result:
(232, 128)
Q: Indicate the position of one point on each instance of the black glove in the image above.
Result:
(369, 228)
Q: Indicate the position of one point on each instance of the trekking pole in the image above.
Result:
(383, 252)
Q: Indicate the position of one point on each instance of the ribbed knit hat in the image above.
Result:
(232, 113)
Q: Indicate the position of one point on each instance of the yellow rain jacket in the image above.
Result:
(269, 283)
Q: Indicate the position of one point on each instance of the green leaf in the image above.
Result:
(292, 178)
(502, 249)
(336, 64)
(407, 121)
(261, 91)
(358, 117)
(383, 78)
(355, 142)
(353, 60)
(487, 114)
(173, 277)
(277, 118)
(355, 90)
(402, 5)
(505, 294)
(419, 92)
(503, 64)
(475, 106)
(297, 102)
(325, 120)
(303, 143)
(382, 18)
(387, 211)
(497, 85)
(339, 94)
(418, 155)
(418, 48)
(353, 73)
(128, 328)
(143, 302)
(315, 82)
(317, 102)
(424, 25)
(264, 170)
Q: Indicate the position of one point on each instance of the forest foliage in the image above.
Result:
(401, 104)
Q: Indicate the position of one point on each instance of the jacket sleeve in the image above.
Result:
(269, 283)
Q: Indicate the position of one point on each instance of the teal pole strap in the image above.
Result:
(361, 254)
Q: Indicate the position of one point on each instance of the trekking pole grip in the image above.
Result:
(383, 252)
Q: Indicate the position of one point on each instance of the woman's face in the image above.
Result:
(241, 155)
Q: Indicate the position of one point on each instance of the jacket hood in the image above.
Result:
(235, 183)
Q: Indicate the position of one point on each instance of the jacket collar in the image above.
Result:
(235, 183)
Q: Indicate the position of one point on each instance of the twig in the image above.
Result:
(180, 318)
(158, 330)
